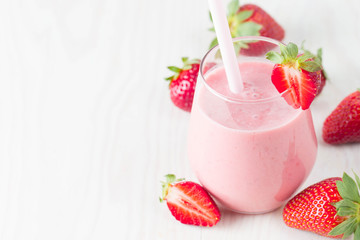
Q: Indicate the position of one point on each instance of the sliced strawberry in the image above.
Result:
(189, 203)
(298, 74)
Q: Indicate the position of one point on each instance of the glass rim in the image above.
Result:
(232, 99)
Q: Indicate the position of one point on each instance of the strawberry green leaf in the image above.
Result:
(342, 227)
(210, 16)
(244, 15)
(283, 49)
(306, 56)
(240, 45)
(184, 59)
(319, 54)
(310, 66)
(346, 211)
(289, 52)
(192, 61)
(356, 176)
(212, 29)
(233, 7)
(213, 43)
(351, 227)
(164, 187)
(348, 189)
(247, 29)
(245, 43)
(274, 57)
(317, 57)
(317, 60)
(292, 50)
(357, 233)
(187, 67)
(174, 69)
(169, 78)
(324, 73)
(346, 203)
(237, 48)
(170, 178)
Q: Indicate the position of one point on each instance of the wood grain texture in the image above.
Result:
(87, 129)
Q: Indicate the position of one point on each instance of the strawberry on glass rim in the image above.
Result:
(299, 74)
(189, 202)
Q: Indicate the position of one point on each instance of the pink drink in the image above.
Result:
(251, 151)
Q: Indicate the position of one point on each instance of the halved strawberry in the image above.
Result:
(298, 74)
(189, 203)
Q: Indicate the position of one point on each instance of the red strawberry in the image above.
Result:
(329, 208)
(343, 124)
(189, 203)
(251, 20)
(182, 84)
(298, 74)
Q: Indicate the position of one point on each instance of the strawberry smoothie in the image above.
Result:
(251, 150)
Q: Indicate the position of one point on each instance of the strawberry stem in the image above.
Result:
(170, 179)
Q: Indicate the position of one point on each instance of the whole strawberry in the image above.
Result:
(329, 208)
(189, 203)
(251, 20)
(343, 124)
(182, 84)
(299, 75)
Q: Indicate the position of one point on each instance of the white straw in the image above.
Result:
(226, 45)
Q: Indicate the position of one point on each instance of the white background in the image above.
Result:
(87, 128)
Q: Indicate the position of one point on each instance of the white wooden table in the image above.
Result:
(87, 129)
